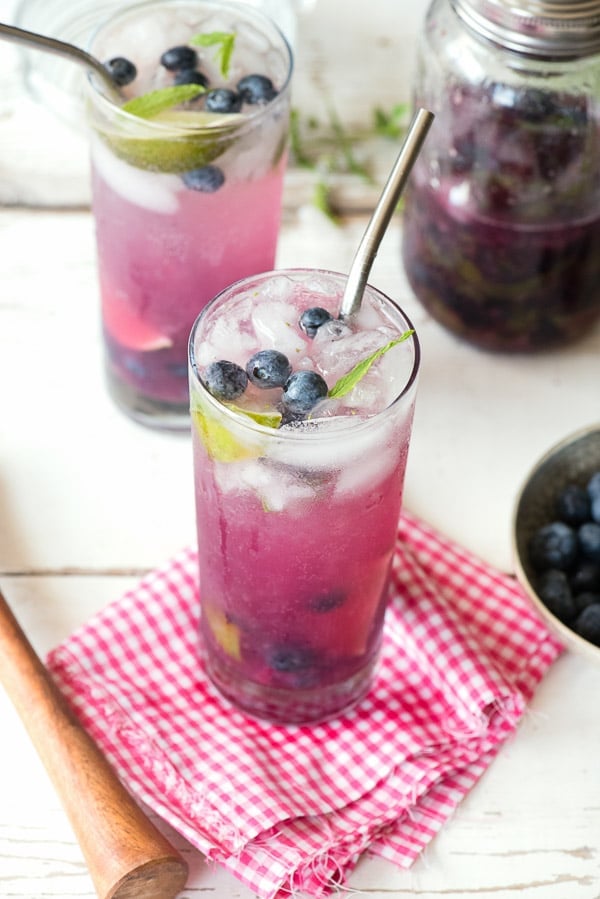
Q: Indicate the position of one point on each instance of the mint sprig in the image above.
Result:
(223, 40)
(348, 381)
(146, 106)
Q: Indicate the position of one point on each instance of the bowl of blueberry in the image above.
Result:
(556, 540)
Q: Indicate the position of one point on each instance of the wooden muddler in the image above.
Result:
(127, 857)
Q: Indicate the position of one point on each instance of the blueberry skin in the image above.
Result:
(222, 100)
(573, 505)
(583, 600)
(587, 624)
(311, 319)
(302, 391)
(190, 76)
(554, 591)
(291, 658)
(593, 485)
(553, 546)
(589, 540)
(121, 70)
(585, 576)
(595, 509)
(268, 368)
(180, 57)
(327, 602)
(256, 89)
(208, 179)
(225, 380)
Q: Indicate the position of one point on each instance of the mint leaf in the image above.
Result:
(151, 104)
(345, 384)
(223, 40)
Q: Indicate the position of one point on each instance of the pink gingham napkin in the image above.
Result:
(292, 808)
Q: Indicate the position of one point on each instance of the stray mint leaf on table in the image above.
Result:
(223, 40)
(146, 106)
(348, 381)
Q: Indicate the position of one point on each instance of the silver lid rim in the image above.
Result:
(540, 28)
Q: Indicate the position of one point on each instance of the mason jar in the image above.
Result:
(501, 234)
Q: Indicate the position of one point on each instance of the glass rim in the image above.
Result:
(351, 424)
(246, 120)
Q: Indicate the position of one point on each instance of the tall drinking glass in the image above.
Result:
(186, 199)
(298, 487)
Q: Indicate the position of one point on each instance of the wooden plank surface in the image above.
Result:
(80, 522)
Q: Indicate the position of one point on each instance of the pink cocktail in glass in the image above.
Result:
(298, 488)
(188, 199)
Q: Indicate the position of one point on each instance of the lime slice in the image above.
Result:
(224, 631)
(183, 141)
(220, 444)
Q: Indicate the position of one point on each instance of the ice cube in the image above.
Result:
(277, 487)
(370, 471)
(225, 340)
(336, 357)
(150, 190)
(277, 329)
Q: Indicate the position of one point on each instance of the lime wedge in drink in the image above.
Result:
(174, 141)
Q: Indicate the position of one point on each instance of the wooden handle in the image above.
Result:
(127, 857)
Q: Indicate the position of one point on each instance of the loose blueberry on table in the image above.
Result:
(565, 554)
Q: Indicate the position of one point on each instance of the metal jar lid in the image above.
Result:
(541, 28)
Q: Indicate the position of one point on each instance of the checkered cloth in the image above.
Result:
(292, 808)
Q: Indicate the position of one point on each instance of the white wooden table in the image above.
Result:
(90, 501)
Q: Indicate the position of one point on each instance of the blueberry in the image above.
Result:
(554, 591)
(595, 509)
(589, 540)
(268, 368)
(327, 602)
(586, 576)
(256, 89)
(181, 57)
(587, 624)
(208, 179)
(585, 599)
(593, 485)
(302, 391)
(191, 76)
(225, 380)
(573, 504)
(312, 319)
(220, 99)
(553, 546)
(121, 70)
(291, 658)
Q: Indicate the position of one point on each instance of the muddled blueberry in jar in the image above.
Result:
(302, 391)
(268, 368)
(225, 380)
(180, 57)
(207, 179)
(312, 319)
(222, 100)
(256, 89)
(121, 70)
(291, 658)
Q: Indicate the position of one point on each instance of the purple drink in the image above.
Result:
(298, 491)
(187, 198)
(501, 237)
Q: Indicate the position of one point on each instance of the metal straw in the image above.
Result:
(367, 250)
(58, 48)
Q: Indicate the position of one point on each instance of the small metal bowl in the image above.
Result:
(573, 460)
